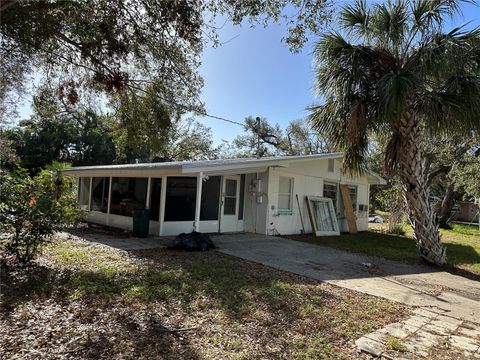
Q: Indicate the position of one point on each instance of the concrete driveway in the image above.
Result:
(448, 305)
(409, 284)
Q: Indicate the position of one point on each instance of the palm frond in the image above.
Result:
(452, 106)
(390, 22)
(429, 13)
(345, 131)
(443, 54)
(354, 18)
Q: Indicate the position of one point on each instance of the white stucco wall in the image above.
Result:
(309, 177)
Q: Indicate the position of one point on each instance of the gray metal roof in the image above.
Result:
(197, 165)
(213, 166)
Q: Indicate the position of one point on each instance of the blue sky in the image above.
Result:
(255, 74)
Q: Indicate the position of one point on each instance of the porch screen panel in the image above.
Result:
(210, 198)
(100, 187)
(180, 198)
(128, 194)
(83, 192)
(155, 187)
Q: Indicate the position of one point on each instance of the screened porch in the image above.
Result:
(177, 204)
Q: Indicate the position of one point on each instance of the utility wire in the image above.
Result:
(222, 119)
(188, 108)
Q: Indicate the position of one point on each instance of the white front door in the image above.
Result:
(230, 197)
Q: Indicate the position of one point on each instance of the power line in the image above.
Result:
(222, 119)
(188, 108)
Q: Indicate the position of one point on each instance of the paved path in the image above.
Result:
(428, 333)
(444, 298)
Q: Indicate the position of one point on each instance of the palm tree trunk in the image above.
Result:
(416, 191)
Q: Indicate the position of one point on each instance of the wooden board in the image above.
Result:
(347, 205)
(310, 215)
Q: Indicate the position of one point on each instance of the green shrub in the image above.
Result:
(32, 209)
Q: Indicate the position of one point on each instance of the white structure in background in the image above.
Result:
(251, 195)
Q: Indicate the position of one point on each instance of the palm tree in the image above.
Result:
(403, 77)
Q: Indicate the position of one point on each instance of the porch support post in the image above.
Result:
(109, 198)
(90, 194)
(163, 194)
(147, 200)
(198, 201)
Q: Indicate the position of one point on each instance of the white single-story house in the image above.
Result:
(265, 195)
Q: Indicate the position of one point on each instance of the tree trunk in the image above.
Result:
(410, 169)
(445, 208)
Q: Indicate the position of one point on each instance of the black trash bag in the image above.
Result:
(194, 241)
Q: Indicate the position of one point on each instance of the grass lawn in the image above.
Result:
(82, 301)
(463, 245)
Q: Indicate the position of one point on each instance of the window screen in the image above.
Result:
(155, 187)
(83, 192)
(210, 198)
(285, 193)
(180, 198)
(100, 187)
(128, 194)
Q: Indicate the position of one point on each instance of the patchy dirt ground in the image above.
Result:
(87, 301)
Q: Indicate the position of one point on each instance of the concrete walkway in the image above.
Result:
(451, 302)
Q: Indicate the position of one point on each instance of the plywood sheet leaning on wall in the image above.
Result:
(347, 205)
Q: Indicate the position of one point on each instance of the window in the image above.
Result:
(330, 190)
(128, 194)
(84, 192)
(322, 216)
(155, 186)
(180, 198)
(100, 187)
(210, 198)
(242, 197)
(285, 193)
(352, 191)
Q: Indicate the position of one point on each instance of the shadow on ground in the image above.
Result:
(131, 301)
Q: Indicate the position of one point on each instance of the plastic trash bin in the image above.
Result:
(141, 222)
